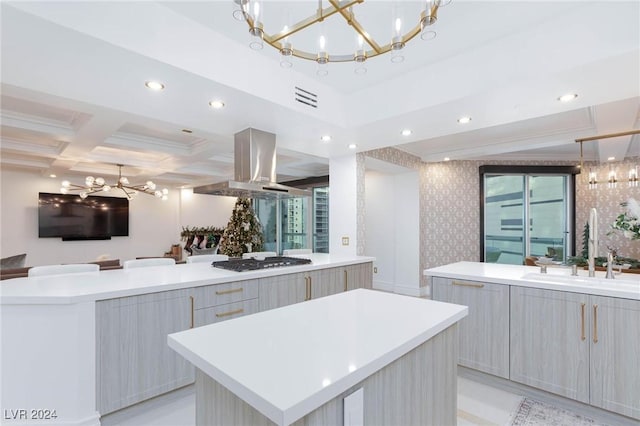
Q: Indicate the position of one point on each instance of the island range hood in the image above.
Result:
(255, 170)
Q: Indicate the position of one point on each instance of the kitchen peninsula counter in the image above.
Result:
(87, 344)
(92, 286)
(287, 363)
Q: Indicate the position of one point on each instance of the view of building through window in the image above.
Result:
(296, 223)
(526, 215)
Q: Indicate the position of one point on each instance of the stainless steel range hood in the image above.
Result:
(255, 170)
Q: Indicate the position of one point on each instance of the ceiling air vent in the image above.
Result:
(306, 97)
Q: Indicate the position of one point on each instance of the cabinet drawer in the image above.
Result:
(220, 294)
(224, 312)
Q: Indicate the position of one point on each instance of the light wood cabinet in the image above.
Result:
(282, 290)
(220, 302)
(225, 312)
(325, 282)
(549, 341)
(133, 361)
(580, 346)
(358, 276)
(615, 349)
(287, 289)
(484, 333)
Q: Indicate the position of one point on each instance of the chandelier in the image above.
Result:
(364, 47)
(612, 177)
(93, 185)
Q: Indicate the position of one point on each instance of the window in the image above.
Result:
(295, 223)
(527, 211)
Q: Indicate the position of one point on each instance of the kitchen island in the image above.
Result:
(78, 346)
(297, 363)
(573, 336)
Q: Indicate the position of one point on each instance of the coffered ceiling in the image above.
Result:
(74, 102)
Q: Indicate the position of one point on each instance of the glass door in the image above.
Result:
(547, 216)
(504, 240)
(526, 215)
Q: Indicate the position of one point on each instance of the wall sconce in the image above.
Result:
(612, 180)
(593, 180)
(633, 177)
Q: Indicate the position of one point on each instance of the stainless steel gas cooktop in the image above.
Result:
(240, 265)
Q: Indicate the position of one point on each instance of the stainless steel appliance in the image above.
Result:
(240, 265)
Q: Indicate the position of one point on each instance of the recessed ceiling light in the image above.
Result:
(464, 120)
(154, 85)
(216, 104)
(325, 138)
(352, 146)
(568, 97)
(52, 175)
(447, 158)
(611, 158)
(406, 132)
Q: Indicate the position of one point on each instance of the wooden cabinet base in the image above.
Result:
(418, 388)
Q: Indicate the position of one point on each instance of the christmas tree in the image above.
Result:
(243, 233)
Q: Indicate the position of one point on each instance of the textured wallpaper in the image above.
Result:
(450, 206)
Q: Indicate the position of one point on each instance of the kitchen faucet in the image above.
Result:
(610, 259)
(592, 245)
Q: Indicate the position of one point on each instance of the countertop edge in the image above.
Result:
(66, 299)
(595, 290)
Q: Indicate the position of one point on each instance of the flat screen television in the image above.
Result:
(69, 217)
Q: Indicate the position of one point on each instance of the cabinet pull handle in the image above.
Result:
(595, 323)
(306, 288)
(346, 279)
(310, 291)
(464, 284)
(192, 310)
(226, 314)
(582, 336)
(233, 290)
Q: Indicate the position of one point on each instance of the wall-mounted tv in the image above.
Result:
(69, 217)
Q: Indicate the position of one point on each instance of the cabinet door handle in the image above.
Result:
(595, 323)
(233, 290)
(464, 284)
(346, 279)
(192, 310)
(582, 336)
(306, 289)
(226, 314)
(310, 290)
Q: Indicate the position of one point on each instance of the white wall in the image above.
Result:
(154, 225)
(392, 229)
(199, 210)
(343, 205)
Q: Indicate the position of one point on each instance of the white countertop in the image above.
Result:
(289, 361)
(626, 286)
(91, 286)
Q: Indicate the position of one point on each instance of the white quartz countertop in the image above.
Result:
(108, 284)
(625, 285)
(289, 361)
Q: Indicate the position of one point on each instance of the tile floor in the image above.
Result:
(478, 404)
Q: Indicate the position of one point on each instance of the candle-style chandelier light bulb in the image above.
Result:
(256, 30)
(360, 56)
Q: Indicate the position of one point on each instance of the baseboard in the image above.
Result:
(597, 414)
